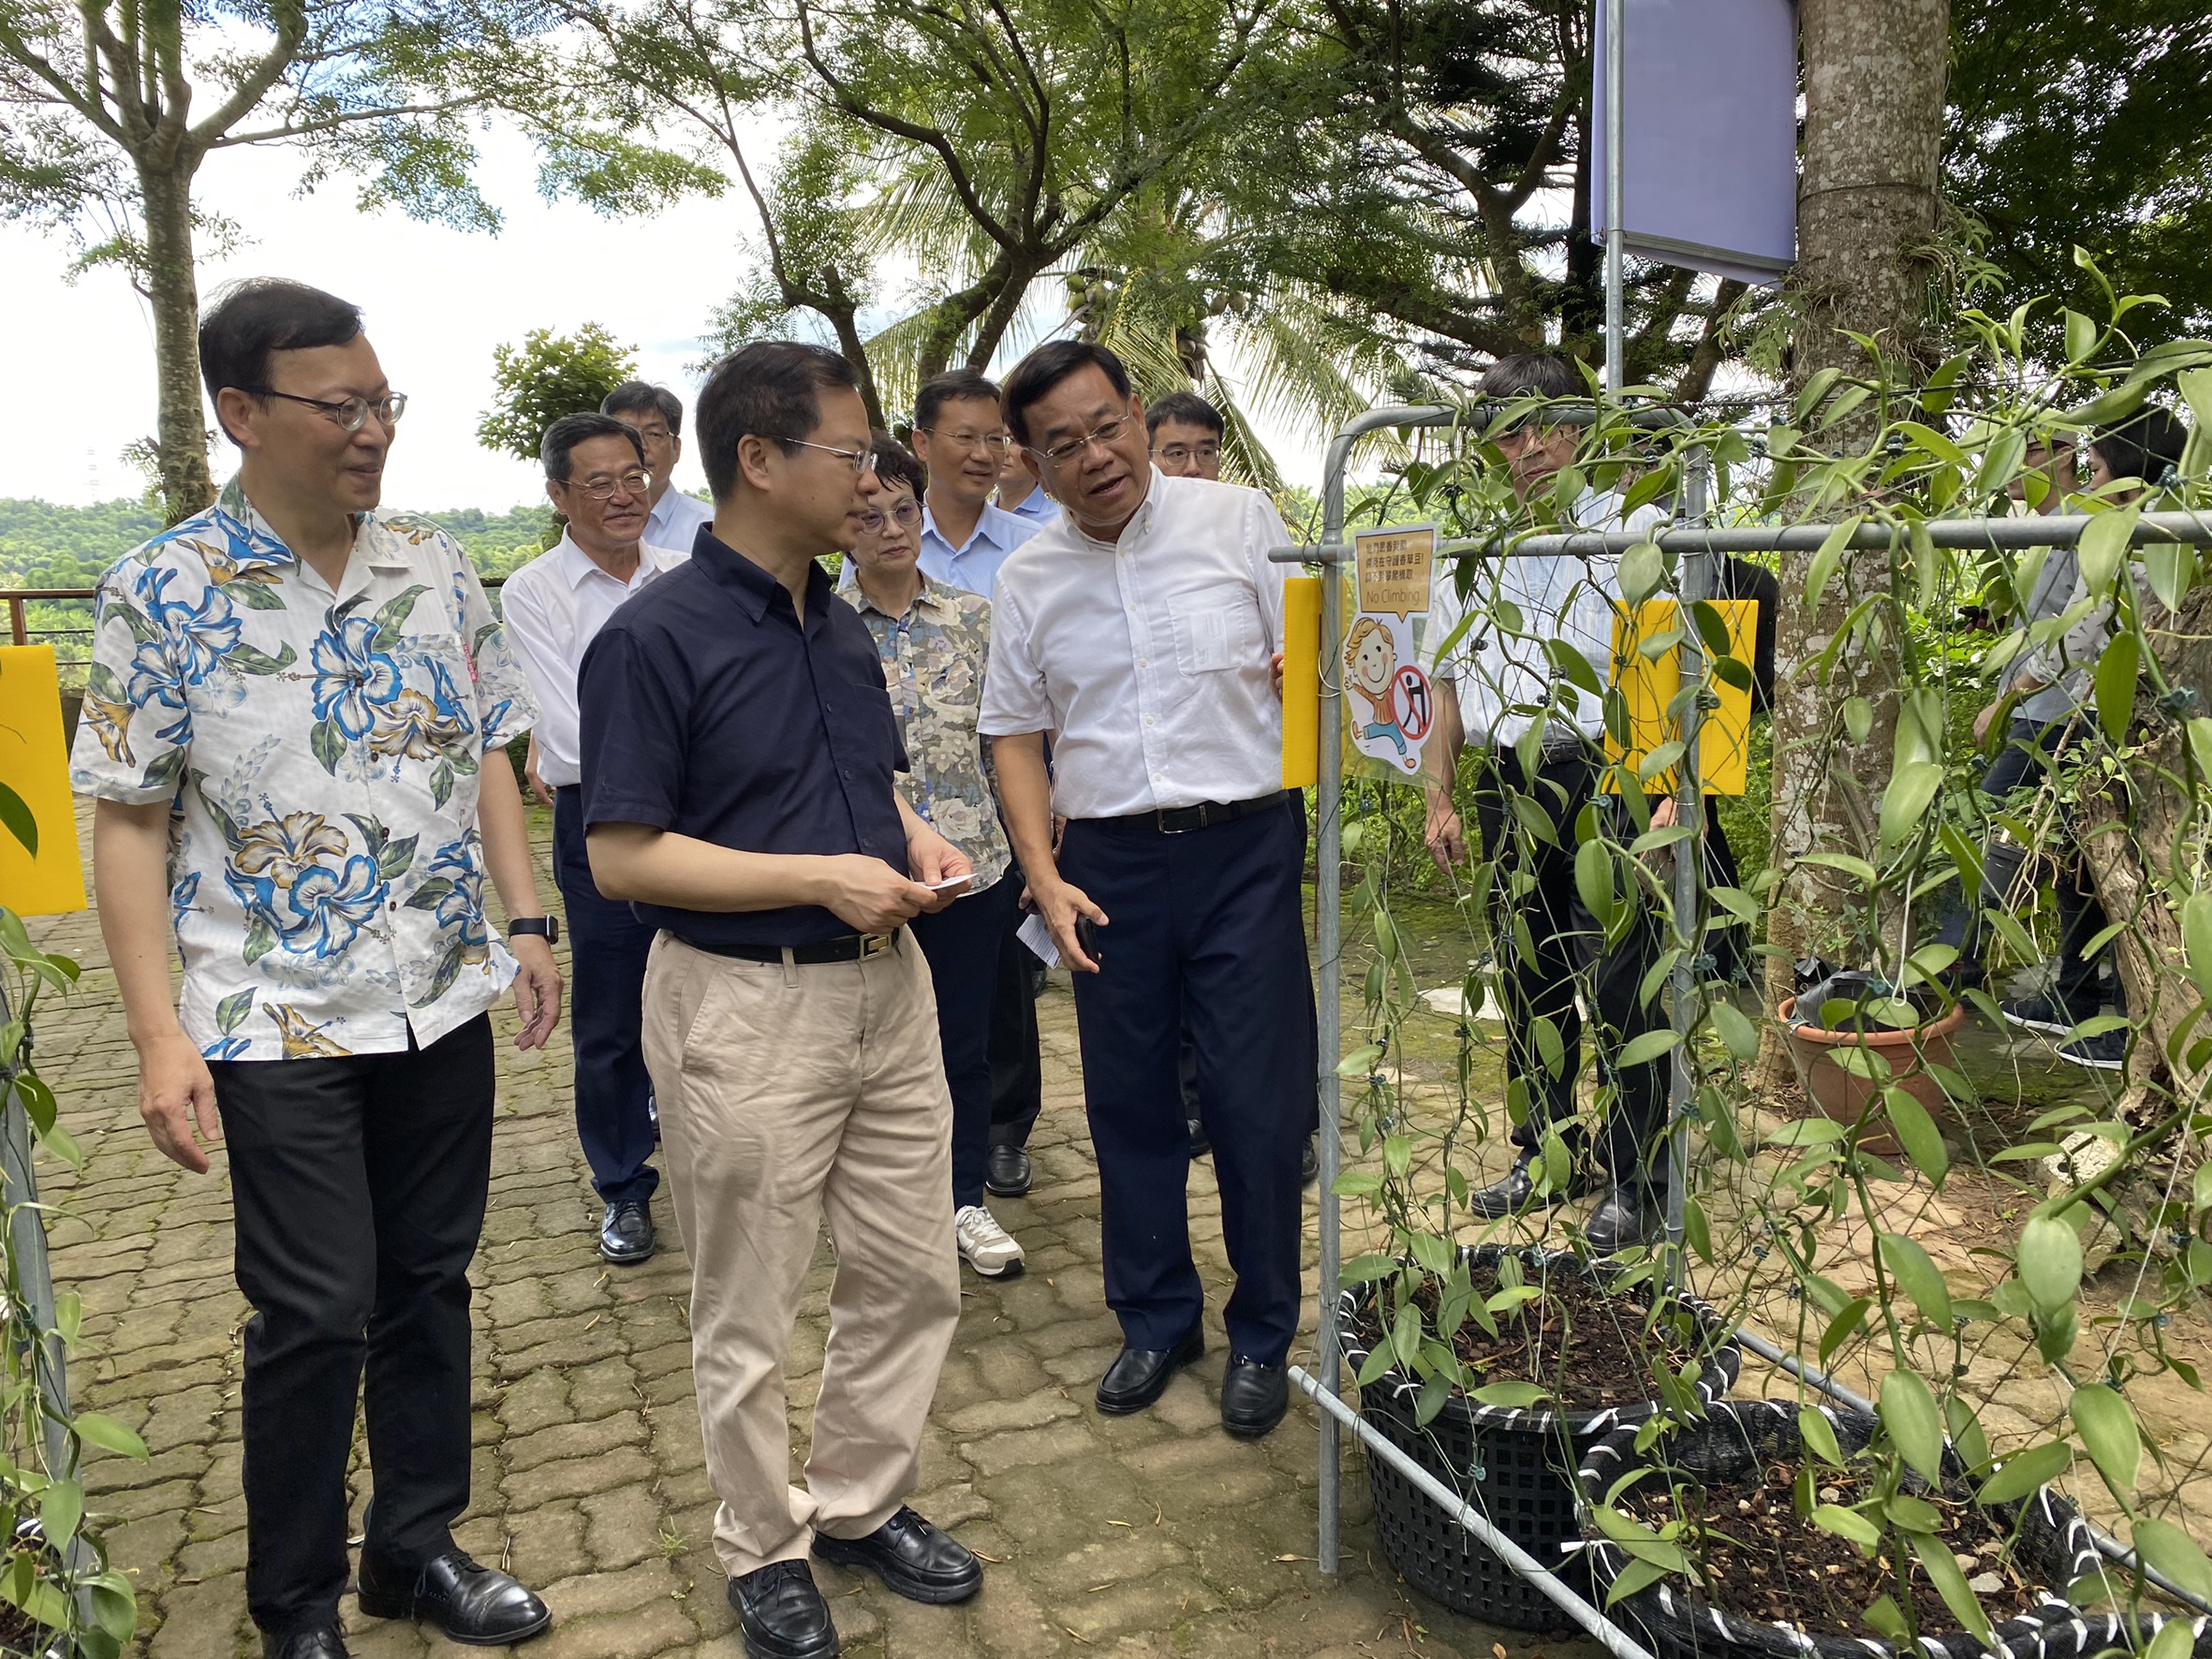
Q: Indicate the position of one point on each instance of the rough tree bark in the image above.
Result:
(1867, 212)
(173, 294)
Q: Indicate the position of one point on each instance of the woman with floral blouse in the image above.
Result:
(934, 640)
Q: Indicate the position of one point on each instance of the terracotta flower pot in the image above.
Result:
(1845, 1095)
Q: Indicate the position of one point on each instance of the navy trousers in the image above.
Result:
(607, 948)
(1206, 925)
(1017, 1064)
(962, 946)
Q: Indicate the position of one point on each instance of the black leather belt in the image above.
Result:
(1180, 820)
(847, 947)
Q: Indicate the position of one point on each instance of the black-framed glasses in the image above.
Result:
(637, 482)
(906, 515)
(861, 460)
(1102, 434)
(1179, 453)
(997, 443)
(351, 414)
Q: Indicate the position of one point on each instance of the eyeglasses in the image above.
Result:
(635, 482)
(351, 414)
(1179, 453)
(906, 515)
(1102, 434)
(861, 460)
(997, 443)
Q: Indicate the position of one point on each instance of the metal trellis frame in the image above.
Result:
(1698, 544)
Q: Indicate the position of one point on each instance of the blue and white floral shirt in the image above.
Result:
(320, 752)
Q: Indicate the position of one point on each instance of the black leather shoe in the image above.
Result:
(478, 1607)
(626, 1232)
(1008, 1174)
(1627, 1215)
(1253, 1397)
(920, 1562)
(1309, 1161)
(1138, 1376)
(1200, 1145)
(325, 1643)
(1515, 1191)
(781, 1614)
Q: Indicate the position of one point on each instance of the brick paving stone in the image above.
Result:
(1151, 1534)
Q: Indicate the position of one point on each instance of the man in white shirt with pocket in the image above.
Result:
(1142, 632)
(1506, 682)
(595, 474)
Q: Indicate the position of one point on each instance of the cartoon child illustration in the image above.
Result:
(1371, 664)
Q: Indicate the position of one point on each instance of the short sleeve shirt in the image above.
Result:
(708, 710)
(320, 753)
(933, 666)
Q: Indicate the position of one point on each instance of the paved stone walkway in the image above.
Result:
(1149, 1534)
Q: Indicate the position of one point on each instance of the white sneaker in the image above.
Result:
(984, 1246)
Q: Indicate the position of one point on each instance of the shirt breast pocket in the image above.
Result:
(1214, 632)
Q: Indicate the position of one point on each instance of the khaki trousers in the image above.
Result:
(785, 1093)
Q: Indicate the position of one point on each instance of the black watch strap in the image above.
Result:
(546, 927)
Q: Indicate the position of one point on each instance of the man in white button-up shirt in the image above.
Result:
(1504, 683)
(1143, 633)
(655, 414)
(556, 605)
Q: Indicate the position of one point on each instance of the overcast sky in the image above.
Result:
(436, 301)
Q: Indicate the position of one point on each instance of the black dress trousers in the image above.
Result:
(359, 1186)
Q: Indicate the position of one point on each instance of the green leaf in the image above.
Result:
(1858, 718)
(61, 1510)
(2050, 1262)
(1930, 441)
(2196, 940)
(1510, 1396)
(2104, 547)
(2081, 337)
(17, 819)
(1366, 1270)
(2108, 1433)
(1916, 1133)
(1832, 548)
(328, 744)
(1357, 1064)
(2169, 566)
(98, 1429)
(1915, 1270)
(1643, 1049)
(2175, 1639)
(1936, 1561)
(232, 1011)
(392, 613)
(1641, 571)
(1641, 1574)
(1358, 1183)
(2025, 1472)
(1819, 1434)
(2116, 675)
(1847, 1523)
(1905, 802)
(1593, 881)
(245, 659)
(1736, 1031)
(1915, 1426)
(2175, 1553)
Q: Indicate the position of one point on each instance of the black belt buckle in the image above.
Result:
(1182, 820)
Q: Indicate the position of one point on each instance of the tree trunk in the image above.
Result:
(172, 290)
(1868, 206)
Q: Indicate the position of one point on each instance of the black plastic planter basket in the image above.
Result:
(1515, 1467)
(1735, 1437)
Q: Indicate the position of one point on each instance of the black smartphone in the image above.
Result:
(1086, 936)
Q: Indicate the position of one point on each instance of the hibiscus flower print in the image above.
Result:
(332, 905)
(283, 850)
(413, 727)
(352, 678)
(199, 636)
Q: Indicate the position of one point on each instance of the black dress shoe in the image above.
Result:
(626, 1232)
(1515, 1191)
(325, 1643)
(1628, 1215)
(1138, 1376)
(781, 1614)
(1008, 1174)
(920, 1562)
(1200, 1145)
(1309, 1161)
(478, 1607)
(1253, 1397)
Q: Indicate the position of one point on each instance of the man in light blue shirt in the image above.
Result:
(1023, 495)
(655, 414)
(960, 437)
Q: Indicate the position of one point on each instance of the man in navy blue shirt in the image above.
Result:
(737, 748)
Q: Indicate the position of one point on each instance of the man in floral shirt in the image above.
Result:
(295, 729)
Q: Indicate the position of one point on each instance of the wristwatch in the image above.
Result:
(546, 927)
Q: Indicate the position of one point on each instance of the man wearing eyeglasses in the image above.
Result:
(738, 750)
(1143, 634)
(655, 414)
(296, 729)
(961, 440)
(596, 476)
(1185, 433)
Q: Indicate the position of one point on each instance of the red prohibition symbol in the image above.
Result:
(1413, 701)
